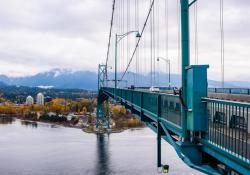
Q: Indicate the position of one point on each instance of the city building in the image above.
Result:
(29, 100)
(40, 99)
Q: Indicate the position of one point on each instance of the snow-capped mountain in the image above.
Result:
(69, 79)
(57, 78)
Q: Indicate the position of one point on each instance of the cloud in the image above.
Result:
(39, 35)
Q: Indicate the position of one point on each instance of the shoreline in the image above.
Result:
(88, 130)
(91, 130)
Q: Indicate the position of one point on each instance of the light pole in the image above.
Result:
(167, 66)
(118, 38)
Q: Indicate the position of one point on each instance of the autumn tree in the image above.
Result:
(117, 111)
(7, 109)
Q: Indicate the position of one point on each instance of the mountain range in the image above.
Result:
(68, 79)
(56, 78)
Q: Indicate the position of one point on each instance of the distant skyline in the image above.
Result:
(39, 35)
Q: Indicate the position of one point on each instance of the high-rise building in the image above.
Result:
(40, 99)
(29, 100)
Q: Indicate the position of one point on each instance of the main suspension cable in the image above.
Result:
(110, 35)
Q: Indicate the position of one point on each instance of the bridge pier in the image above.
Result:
(102, 116)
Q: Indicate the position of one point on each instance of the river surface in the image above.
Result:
(45, 149)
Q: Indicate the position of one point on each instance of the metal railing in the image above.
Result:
(168, 110)
(239, 91)
(229, 126)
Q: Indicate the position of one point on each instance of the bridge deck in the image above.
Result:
(228, 122)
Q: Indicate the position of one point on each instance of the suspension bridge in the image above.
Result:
(208, 127)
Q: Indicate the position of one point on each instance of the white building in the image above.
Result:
(40, 99)
(29, 100)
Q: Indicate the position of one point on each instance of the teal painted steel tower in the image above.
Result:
(100, 114)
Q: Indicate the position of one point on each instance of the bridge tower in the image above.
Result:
(102, 116)
(193, 88)
(194, 82)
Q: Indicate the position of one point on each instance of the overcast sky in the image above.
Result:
(38, 35)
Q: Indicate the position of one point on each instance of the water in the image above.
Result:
(45, 149)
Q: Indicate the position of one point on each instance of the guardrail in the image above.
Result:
(229, 127)
(239, 91)
(169, 110)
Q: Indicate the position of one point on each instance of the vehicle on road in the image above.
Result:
(154, 89)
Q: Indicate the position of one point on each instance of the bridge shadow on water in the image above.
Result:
(103, 155)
